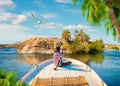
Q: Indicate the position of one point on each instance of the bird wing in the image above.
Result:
(35, 17)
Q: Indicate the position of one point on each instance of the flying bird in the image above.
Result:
(38, 21)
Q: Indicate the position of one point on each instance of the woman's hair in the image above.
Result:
(58, 49)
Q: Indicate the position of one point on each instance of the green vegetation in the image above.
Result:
(99, 11)
(66, 35)
(96, 47)
(86, 58)
(79, 47)
(81, 35)
(115, 48)
(81, 44)
(9, 79)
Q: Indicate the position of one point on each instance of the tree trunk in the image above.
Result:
(113, 17)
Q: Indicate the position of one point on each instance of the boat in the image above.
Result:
(112, 52)
(76, 74)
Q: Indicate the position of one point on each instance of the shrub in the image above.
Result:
(81, 47)
(96, 47)
(115, 48)
(9, 79)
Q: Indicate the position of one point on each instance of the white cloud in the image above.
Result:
(14, 33)
(79, 26)
(66, 8)
(6, 16)
(48, 16)
(29, 13)
(50, 25)
(19, 19)
(6, 4)
(15, 18)
(58, 25)
(64, 1)
(90, 30)
(39, 3)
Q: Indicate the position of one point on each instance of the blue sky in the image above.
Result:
(17, 24)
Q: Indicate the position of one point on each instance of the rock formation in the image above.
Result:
(39, 45)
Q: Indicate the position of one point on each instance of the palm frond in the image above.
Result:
(11, 76)
(114, 34)
(85, 6)
(4, 82)
(74, 2)
(109, 26)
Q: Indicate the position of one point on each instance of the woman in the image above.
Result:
(58, 56)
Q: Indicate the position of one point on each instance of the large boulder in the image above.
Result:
(39, 45)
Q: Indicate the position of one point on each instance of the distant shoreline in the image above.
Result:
(107, 46)
(110, 46)
(8, 46)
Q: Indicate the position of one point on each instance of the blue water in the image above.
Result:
(106, 66)
(109, 70)
(9, 61)
(112, 52)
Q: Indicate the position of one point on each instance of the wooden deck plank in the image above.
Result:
(65, 81)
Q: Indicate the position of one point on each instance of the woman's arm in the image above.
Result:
(58, 63)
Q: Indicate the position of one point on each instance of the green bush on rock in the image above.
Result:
(81, 43)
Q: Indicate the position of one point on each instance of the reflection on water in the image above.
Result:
(107, 67)
(37, 58)
(86, 58)
(34, 58)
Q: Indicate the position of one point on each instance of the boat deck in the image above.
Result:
(76, 69)
(66, 81)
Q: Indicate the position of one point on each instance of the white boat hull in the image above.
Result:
(76, 69)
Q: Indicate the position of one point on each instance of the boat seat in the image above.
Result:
(65, 81)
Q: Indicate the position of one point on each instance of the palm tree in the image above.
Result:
(112, 15)
(9, 79)
(66, 35)
(82, 36)
(99, 10)
(86, 38)
(79, 34)
(76, 34)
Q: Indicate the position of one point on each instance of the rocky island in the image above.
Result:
(42, 45)
(39, 45)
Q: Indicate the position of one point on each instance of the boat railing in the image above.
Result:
(28, 74)
(42, 64)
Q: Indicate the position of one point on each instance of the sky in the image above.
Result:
(17, 23)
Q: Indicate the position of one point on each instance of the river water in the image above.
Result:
(107, 67)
